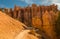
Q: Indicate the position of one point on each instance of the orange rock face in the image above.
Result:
(27, 13)
(9, 27)
(47, 25)
(36, 22)
(38, 16)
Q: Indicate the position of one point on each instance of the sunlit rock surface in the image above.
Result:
(47, 26)
(36, 22)
(13, 29)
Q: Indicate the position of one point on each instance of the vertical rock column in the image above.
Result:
(22, 15)
(26, 16)
(48, 27)
(6, 10)
(19, 14)
(14, 12)
(29, 17)
(34, 12)
(10, 12)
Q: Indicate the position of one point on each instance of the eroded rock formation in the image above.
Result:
(41, 17)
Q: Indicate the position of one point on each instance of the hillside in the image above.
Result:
(9, 27)
(12, 29)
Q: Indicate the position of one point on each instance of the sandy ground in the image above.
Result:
(25, 35)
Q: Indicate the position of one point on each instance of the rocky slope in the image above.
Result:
(11, 28)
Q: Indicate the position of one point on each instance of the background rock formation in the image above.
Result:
(38, 17)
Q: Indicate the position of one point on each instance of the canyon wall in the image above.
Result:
(41, 17)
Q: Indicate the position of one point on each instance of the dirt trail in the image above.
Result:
(25, 35)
